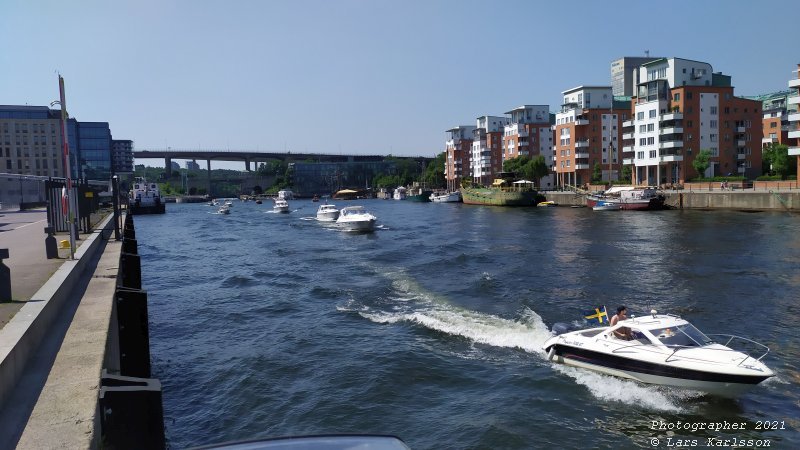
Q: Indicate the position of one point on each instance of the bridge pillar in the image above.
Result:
(208, 161)
(168, 167)
(247, 164)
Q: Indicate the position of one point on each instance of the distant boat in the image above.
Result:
(315, 198)
(285, 194)
(547, 204)
(629, 198)
(281, 206)
(224, 209)
(145, 198)
(503, 192)
(419, 194)
(399, 193)
(447, 197)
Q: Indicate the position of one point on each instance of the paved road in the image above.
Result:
(22, 233)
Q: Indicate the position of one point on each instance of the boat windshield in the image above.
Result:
(682, 336)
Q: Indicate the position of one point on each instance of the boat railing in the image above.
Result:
(732, 337)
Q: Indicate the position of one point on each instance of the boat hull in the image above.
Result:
(137, 209)
(359, 225)
(497, 197)
(424, 197)
(652, 373)
(452, 197)
(328, 216)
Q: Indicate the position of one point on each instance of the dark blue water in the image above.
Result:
(431, 328)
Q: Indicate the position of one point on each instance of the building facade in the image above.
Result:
(587, 134)
(122, 156)
(458, 150)
(487, 148)
(30, 141)
(530, 134)
(681, 108)
(793, 102)
(192, 165)
(623, 73)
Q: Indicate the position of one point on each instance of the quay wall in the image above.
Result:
(695, 199)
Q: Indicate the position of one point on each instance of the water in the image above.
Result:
(430, 329)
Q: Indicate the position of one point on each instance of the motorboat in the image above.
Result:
(145, 198)
(606, 205)
(546, 204)
(662, 349)
(629, 197)
(224, 209)
(447, 197)
(228, 203)
(327, 213)
(356, 218)
(399, 193)
(281, 206)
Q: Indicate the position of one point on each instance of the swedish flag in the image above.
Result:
(598, 313)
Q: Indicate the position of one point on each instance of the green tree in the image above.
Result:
(701, 162)
(777, 160)
(626, 173)
(434, 172)
(516, 165)
(539, 168)
(597, 173)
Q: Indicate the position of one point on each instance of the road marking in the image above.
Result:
(29, 224)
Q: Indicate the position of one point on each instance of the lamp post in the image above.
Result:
(21, 200)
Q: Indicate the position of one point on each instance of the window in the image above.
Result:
(640, 115)
(727, 110)
(713, 110)
(642, 128)
(689, 123)
(651, 127)
(677, 95)
(712, 138)
(639, 155)
(643, 141)
(652, 153)
(688, 96)
(713, 123)
(653, 113)
(651, 141)
(773, 125)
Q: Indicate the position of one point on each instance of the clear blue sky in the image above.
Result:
(356, 76)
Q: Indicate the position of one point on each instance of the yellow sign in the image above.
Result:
(89, 194)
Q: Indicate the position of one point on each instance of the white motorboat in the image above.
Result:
(327, 213)
(224, 209)
(605, 205)
(281, 206)
(145, 198)
(448, 197)
(399, 193)
(662, 349)
(356, 218)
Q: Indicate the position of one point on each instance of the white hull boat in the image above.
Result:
(224, 209)
(604, 205)
(281, 206)
(663, 350)
(327, 213)
(356, 218)
(450, 197)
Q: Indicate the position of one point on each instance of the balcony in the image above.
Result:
(769, 140)
(581, 166)
(627, 136)
(741, 156)
(670, 130)
(741, 169)
(582, 155)
(522, 133)
(670, 158)
(794, 117)
(670, 144)
(672, 116)
(627, 148)
(581, 144)
(794, 83)
(741, 129)
(793, 100)
(627, 124)
(794, 151)
(627, 162)
(579, 122)
(795, 134)
(741, 143)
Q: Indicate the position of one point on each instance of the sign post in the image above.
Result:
(70, 201)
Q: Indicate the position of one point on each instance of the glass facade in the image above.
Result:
(90, 146)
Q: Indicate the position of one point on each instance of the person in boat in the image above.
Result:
(622, 332)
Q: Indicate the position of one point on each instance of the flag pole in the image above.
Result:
(67, 167)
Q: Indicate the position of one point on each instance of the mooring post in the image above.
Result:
(50, 246)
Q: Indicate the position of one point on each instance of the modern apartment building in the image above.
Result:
(122, 156)
(458, 150)
(623, 70)
(793, 102)
(30, 141)
(588, 133)
(487, 148)
(681, 107)
(530, 134)
(774, 118)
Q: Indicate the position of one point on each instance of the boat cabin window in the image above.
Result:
(681, 336)
(591, 333)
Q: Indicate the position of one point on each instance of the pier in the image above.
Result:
(74, 345)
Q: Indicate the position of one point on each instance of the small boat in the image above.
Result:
(630, 198)
(447, 197)
(546, 204)
(224, 209)
(145, 198)
(327, 213)
(606, 205)
(315, 198)
(419, 194)
(356, 218)
(281, 206)
(228, 203)
(258, 201)
(663, 349)
(285, 194)
(399, 193)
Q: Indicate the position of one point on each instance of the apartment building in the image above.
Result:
(530, 134)
(774, 118)
(487, 148)
(122, 156)
(682, 107)
(30, 141)
(587, 132)
(793, 103)
(623, 71)
(458, 150)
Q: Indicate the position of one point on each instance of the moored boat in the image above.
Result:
(664, 350)
(447, 197)
(606, 205)
(629, 198)
(145, 198)
(545, 204)
(503, 192)
(399, 193)
(418, 194)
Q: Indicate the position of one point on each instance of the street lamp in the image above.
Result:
(20, 193)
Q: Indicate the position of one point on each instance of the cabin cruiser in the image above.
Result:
(224, 209)
(356, 218)
(281, 206)
(327, 213)
(661, 349)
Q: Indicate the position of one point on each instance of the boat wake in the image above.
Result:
(411, 303)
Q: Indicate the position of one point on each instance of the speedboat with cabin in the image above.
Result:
(281, 206)
(662, 349)
(356, 218)
(327, 213)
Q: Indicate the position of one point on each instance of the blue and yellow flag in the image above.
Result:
(599, 313)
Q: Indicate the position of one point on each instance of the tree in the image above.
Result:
(434, 172)
(626, 173)
(777, 160)
(701, 162)
(539, 168)
(597, 173)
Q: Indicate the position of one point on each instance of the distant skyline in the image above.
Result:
(356, 76)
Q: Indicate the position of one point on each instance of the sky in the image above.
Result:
(356, 76)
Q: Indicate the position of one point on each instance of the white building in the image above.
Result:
(487, 148)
